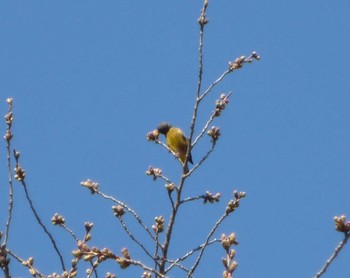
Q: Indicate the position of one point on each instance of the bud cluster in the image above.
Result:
(88, 226)
(209, 197)
(30, 264)
(238, 63)
(228, 262)
(214, 133)
(9, 119)
(57, 219)
(65, 274)
(152, 135)
(341, 225)
(20, 174)
(159, 227)
(118, 211)
(110, 275)
(4, 261)
(170, 187)
(220, 104)
(202, 20)
(98, 255)
(124, 261)
(146, 274)
(92, 186)
(155, 172)
(233, 204)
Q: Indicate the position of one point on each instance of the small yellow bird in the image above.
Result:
(176, 140)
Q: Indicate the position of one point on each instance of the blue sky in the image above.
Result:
(89, 79)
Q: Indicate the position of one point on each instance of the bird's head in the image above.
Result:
(163, 128)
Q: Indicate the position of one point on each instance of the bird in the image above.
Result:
(175, 140)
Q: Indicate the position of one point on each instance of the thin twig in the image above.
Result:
(171, 200)
(202, 18)
(334, 255)
(167, 180)
(217, 224)
(169, 232)
(42, 225)
(156, 256)
(189, 199)
(147, 268)
(175, 263)
(237, 64)
(133, 238)
(8, 137)
(210, 120)
(212, 85)
(93, 270)
(9, 215)
(66, 228)
(190, 253)
(24, 262)
(202, 21)
(202, 160)
(139, 220)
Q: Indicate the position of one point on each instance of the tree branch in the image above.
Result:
(334, 255)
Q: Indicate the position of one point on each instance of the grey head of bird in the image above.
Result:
(164, 127)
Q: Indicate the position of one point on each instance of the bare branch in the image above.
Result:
(217, 81)
(190, 253)
(139, 220)
(207, 197)
(38, 219)
(66, 228)
(204, 158)
(167, 180)
(171, 200)
(202, 22)
(206, 243)
(190, 199)
(20, 176)
(156, 255)
(27, 263)
(210, 120)
(237, 64)
(334, 255)
(8, 137)
(58, 220)
(134, 239)
(140, 264)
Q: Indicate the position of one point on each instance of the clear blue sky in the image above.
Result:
(90, 78)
